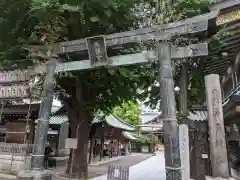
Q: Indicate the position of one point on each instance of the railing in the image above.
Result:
(16, 148)
(14, 157)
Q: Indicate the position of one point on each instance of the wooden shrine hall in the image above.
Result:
(15, 125)
(112, 127)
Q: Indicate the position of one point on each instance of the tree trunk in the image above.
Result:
(92, 133)
(80, 117)
(79, 129)
(90, 151)
(102, 144)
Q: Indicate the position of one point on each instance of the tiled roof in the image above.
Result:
(159, 127)
(200, 114)
(113, 121)
(110, 120)
(149, 116)
(118, 123)
(129, 135)
(195, 114)
(58, 119)
(99, 117)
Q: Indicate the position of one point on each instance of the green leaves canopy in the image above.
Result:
(26, 22)
(128, 111)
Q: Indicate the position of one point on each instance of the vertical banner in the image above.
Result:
(218, 149)
(184, 151)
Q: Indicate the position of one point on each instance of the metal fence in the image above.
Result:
(16, 148)
(116, 172)
(14, 156)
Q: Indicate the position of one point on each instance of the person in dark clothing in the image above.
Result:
(110, 149)
(48, 150)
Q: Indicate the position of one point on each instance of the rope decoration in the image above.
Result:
(174, 168)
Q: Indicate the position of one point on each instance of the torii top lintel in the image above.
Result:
(193, 25)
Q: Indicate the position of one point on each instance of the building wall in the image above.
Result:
(15, 131)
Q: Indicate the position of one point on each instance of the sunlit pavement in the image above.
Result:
(152, 168)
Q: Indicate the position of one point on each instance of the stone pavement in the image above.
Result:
(152, 168)
(99, 170)
(140, 165)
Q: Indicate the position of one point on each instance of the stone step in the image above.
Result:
(10, 157)
(13, 164)
(218, 178)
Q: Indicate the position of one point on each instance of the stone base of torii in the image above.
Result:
(218, 178)
(35, 175)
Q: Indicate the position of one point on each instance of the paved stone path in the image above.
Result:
(142, 167)
(130, 160)
(152, 168)
(99, 170)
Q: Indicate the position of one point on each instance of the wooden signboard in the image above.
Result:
(8, 90)
(15, 91)
(97, 51)
(14, 76)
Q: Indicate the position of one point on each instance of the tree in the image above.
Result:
(162, 12)
(45, 22)
(41, 22)
(128, 111)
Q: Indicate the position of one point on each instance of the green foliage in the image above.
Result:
(146, 138)
(49, 21)
(128, 111)
(166, 13)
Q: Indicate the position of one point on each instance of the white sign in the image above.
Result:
(145, 149)
(71, 143)
(204, 156)
(116, 173)
(14, 76)
(15, 91)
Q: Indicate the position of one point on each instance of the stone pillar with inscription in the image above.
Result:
(184, 151)
(63, 135)
(218, 149)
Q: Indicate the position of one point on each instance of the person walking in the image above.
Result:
(110, 149)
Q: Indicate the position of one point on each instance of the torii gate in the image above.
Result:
(96, 47)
